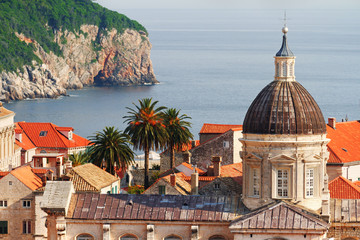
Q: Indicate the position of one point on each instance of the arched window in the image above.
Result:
(278, 69)
(284, 69)
(84, 236)
(291, 69)
(172, 237)
(128, 237)
(42, 151)
(217, 237)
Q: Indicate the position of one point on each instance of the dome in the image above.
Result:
(284, 107)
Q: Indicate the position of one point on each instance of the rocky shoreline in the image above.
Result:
(121, 59)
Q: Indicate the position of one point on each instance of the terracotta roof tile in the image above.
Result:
(89, 177)
(280, 215)
(92, 206)
(51, 137)
(219, 128)
(41, 170)
(345, 142)
(25, 143)
(27, 177)
(343, 188)
(3, 174)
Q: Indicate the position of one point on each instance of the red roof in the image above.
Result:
(47, 135)
(345, 142)
(232, 170)
(27, 177)
(342, 188)
(25, 143)
(3, 174)
(189, 146)
(219, 128)
(41, 170)
(188, 165)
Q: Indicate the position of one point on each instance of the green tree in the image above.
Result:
(111, 146)
(79, 158)
(178, 131)
(146, 129)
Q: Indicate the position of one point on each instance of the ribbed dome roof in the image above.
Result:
(284, 107)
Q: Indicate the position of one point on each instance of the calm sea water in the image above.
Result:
(212, 64)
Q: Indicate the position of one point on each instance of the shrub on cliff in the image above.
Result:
(39, 19)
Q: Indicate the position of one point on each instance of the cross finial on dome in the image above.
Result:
(285, 29)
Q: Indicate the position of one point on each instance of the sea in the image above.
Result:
(211, 64)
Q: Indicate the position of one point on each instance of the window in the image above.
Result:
(3, 227)
(85, 237)
(256, 182)
(10, 182)
(26, 203)
(3, 203)
(284, 70)
(278, 70)
(291, 69)
(162, 190)
(309, 185)
(43, 133)
(226, 144)
(172, 237)
(282, 182)
(217, 185)
(128, 237)
(26, 226)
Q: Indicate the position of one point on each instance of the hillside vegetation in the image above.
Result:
(39, 19)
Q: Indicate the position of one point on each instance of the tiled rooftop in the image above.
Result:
(57, 195)
(155, 207)
(345, 142)
(5, 112)
(218, 128)
(343, 188)
(27, 177)
(46, 135)
(280, 215)
(89, 177)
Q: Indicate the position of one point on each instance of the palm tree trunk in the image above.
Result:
(146, 175)
(172, 156)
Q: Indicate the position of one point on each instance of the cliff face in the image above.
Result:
(118, 59)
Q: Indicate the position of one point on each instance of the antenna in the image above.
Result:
(285, 18)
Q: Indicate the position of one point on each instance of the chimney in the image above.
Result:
(193, 143)
(173, 180)
(195, 183)
(332, 122)
(187, 156)
(216, 160)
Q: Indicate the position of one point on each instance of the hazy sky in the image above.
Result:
(231, 4)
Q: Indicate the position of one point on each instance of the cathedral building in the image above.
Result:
(284, 142)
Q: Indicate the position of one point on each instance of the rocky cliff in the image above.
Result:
(89, 58)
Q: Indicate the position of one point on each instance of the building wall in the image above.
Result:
(334, 171)
(344, 230)
(351, 172)
(203, 137)
(169, 190)
(202, 154)
(211, 189)
(40, 230)
(296, 154)
(15, 214)
(267, 236)
(7, 140)
(139, 229)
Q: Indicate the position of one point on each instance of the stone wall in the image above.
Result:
(169, 190)
(348, 231)
(165, 160)
(14, 191)
(202, 154)
(220, 188)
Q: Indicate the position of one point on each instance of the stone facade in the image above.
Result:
(9, 158)
(225, 145)
(267, 154)
(15, 192)
(221, 187)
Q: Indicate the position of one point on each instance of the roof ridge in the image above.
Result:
(57, 133)
(26, 133)
(79, 176)
(351, 184)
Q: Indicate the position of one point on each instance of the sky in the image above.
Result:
(229, 4)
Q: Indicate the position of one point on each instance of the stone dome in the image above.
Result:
(284, 107)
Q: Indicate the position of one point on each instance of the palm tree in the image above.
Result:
(146, 129)
(178, 131)
(110, 147)
(79, 158)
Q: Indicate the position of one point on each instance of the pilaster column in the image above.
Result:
(106, 231)
(150, 232)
